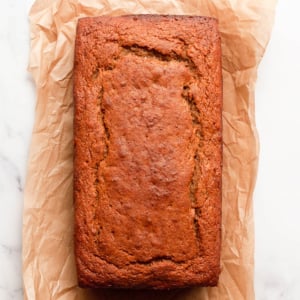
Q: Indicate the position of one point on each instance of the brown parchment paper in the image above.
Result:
(48, 261)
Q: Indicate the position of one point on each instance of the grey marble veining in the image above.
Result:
(17, 100)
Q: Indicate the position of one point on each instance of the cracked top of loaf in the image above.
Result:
(148, 151)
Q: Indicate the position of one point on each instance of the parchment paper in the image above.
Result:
(48, 261)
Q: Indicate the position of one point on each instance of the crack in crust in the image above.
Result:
(153, 260)
(195, 113)
(101, 117)
(104, 124)
(150, 261)
(145, 51)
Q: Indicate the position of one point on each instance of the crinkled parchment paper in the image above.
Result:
(48, 260)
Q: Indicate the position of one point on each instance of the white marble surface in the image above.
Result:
(16, 118)
(277, 195)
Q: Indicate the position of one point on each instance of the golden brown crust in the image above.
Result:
(148, 151)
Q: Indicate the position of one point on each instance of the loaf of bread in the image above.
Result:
(148, 151)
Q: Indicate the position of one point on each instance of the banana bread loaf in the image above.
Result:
(148, 151)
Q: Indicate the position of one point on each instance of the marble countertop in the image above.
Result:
(277, 193)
